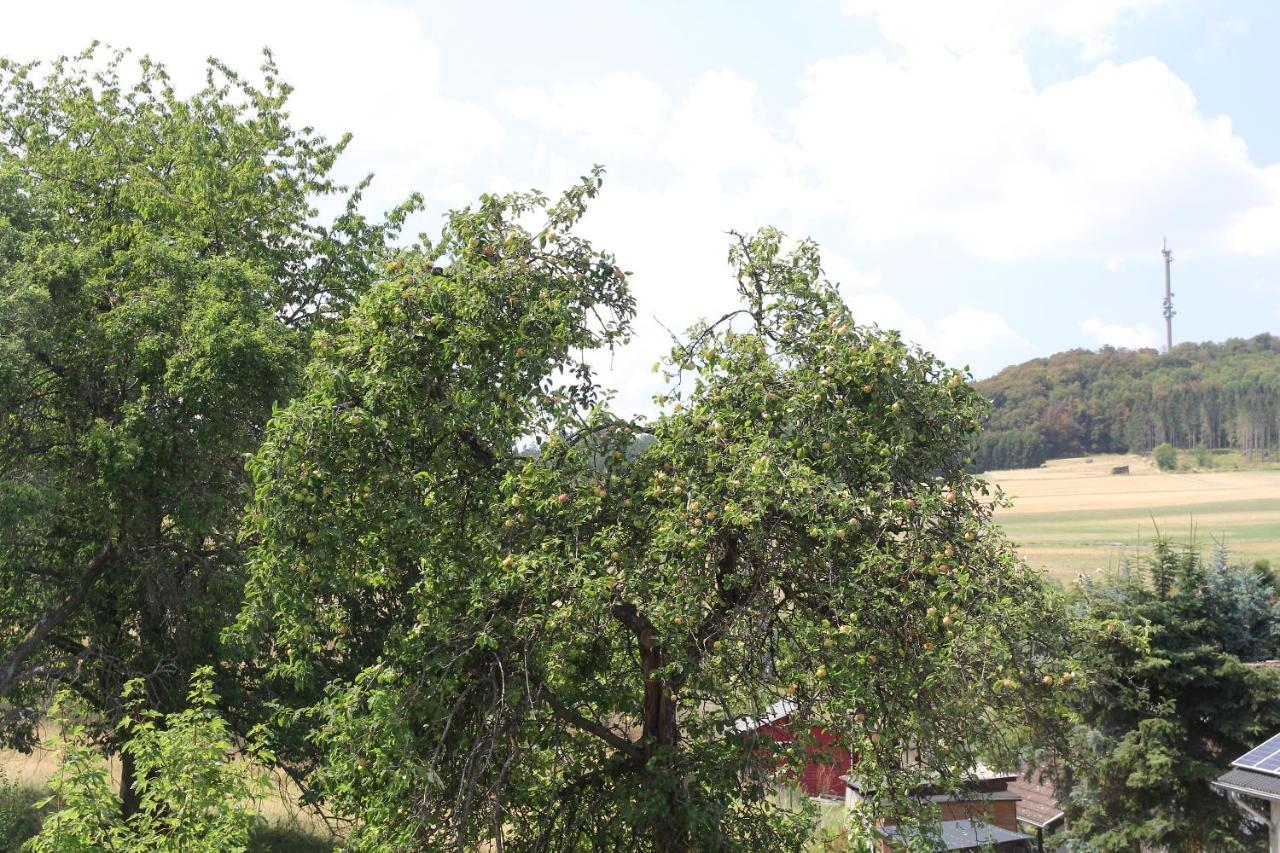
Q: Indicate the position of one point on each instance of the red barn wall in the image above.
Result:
(828, 759)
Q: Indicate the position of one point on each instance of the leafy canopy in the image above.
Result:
(552, 648)
(162, 267)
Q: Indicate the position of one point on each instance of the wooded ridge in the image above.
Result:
(1212, 395)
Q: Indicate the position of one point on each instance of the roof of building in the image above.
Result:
(978, 781)
(1264, 758)
(1250, 782)
(772, 714)
(971, 797)
(958, 835)
(983, 773)
(1039, 806)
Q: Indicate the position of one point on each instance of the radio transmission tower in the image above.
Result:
(1168, 297)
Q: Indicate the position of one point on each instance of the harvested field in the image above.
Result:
(1074, 515)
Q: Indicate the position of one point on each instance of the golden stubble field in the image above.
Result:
(1073, 515)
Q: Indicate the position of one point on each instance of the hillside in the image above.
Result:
(1212, 395)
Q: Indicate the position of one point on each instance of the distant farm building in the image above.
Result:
(985, 816)
(828, 760)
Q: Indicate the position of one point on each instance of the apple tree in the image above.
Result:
(162, 269)
(541, 624)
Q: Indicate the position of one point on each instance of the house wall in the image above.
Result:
(828, 759)
(1002, 813)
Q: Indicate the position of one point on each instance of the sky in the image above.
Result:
(992, 178)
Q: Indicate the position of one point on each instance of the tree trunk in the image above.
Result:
(661, 734)
(661, 737)
(130, 801)
(10, 667)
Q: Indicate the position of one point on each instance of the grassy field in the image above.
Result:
(1073, 515)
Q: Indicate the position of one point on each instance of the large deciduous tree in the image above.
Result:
(550, 648)
(162, 268)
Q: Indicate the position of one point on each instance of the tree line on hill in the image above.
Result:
(1209, 395)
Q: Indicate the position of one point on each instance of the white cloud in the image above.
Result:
(720, 126)
(969, 331)
(716, 128)
(843, 272)
(965, 147)
(942, 141)
(364, 67)
(1256, 230)
(997, 24)
(623, 114)
(1138, 336)
(881, 309)
(955, 337)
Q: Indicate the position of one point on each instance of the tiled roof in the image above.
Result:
(1246, 781)
(971, 797)
(1039, 806)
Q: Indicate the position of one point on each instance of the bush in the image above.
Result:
(277, 839)
(19, 817)
(1203, 456)
(1166, 457)
(193, 795)
(1171, 699)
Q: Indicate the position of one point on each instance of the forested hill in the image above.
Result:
(1115, 400)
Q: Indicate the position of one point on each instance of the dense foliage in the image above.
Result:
(1175, 635)
(1010, 448)
(478, 607)
(550, 650)
(1115, 401)
(162, 268)
(195, 795)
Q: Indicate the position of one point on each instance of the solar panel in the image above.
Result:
(1264, 758)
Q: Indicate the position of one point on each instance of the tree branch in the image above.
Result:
(580, 722)
(53, 618)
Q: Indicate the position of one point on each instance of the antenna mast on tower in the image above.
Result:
(1168, 296)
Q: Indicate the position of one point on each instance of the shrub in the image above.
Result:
(1170, 701)
(1166, 457)
(193, 795)
(19, 817)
